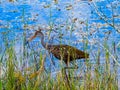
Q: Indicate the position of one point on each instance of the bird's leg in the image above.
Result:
(66, 77)
(75, 67)
(67, 67)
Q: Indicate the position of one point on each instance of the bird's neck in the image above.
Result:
(44, 44)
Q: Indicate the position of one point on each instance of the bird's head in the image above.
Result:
(36, 34)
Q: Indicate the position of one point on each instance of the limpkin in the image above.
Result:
(62, 52)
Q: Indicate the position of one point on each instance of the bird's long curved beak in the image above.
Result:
(31, 38)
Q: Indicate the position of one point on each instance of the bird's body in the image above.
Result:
(62, 52)
(66, 53)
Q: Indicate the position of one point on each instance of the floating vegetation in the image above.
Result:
(56, 1)
(69, 7)
(11, 0)
(47, 6)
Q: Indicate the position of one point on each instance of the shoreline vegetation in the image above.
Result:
(99, 77)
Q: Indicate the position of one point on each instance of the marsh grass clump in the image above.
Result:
(92, 79)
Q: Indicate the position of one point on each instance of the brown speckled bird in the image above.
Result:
(62, 52)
